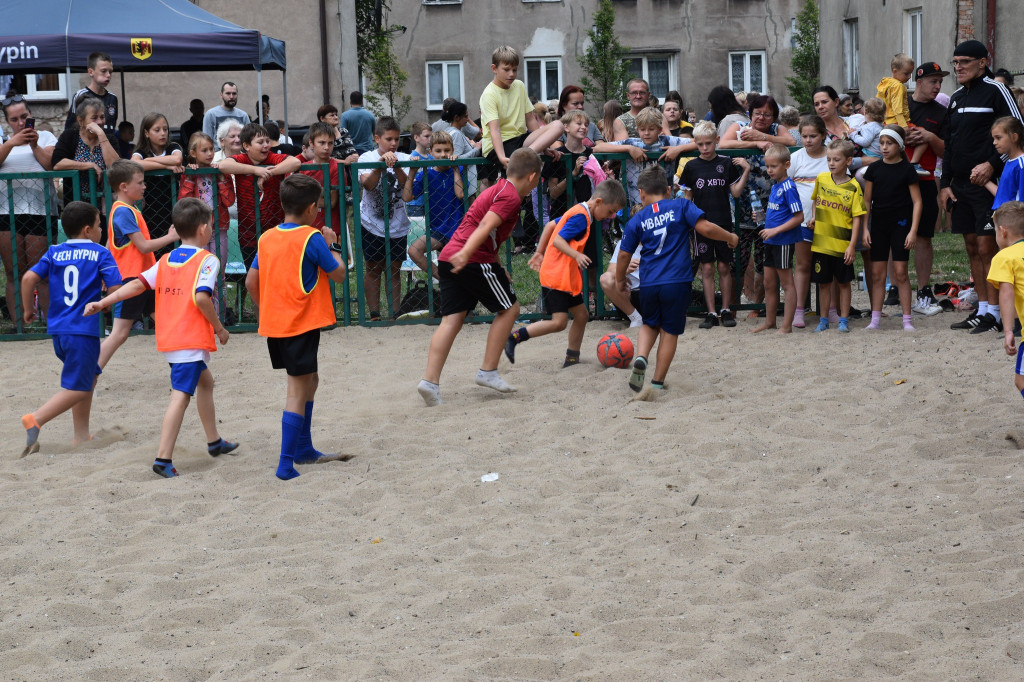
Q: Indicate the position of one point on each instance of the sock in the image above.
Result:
(799, 311)
(993, 310)
(832, 311)
(907, 324)
(31, 431)
(521, 335)
(635, 316)
(291, 427)
(876, 316)
(162, 462)
(659, 385)
(982, 308)
(164, 467)
(487, 373)
(844, 320)
(572, 357)
(304, 450)
(430, 392)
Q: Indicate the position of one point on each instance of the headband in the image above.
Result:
(894, 135)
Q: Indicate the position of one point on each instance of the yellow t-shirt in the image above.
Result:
(508, 107)
(1008, 266)
(835, 207)
(894, 94)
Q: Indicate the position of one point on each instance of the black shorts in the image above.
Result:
(27, 225)
(440, 238)
(826, 269)
(492, 170)
(476, 283)
(590, 247)
(889, 230)
(556, 301)
(929, 209)
(296, 355)
(779, 256)
(634, 298)
(972, 210)
(375, 248)
(136, 307)
(712, 250)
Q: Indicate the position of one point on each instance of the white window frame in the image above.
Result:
(851, 54)
(913, 21)
(445, 63)
(545, 96)
(645, 70)
(34, 95)
(441, 2)
(747, 54)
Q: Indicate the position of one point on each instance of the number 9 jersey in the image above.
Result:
(76, 272)
(663, 230)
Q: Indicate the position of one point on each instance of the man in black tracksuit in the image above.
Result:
(969, 162)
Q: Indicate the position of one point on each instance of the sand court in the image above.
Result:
(812, 506)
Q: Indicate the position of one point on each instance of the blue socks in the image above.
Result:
(164, 467)
(305, 453)
(291, 428)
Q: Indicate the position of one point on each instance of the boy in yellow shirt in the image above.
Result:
(1007, 274)
(893, 91)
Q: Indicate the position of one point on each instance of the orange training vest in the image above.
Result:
(559, 271)
(130, 261)
(286, 308)
(179, 323)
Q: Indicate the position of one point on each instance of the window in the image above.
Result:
(544, 78)
(442, 2)
(43, 87)
(444, 79)
(851, 53)
(747, 71)
(657, 70)
(912, 39)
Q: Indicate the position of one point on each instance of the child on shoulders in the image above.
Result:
(559, 259)
(187, 327)
(76, 271)
(893, 90)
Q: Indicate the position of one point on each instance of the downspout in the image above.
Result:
(324, 75)
(990, 37)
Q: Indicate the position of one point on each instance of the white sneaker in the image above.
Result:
(493, 381)
(925, 307)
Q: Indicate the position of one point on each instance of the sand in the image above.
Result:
(804, 507)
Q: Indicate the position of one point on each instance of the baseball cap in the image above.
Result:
(929, 69)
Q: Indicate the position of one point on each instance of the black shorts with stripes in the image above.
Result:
(475, 283)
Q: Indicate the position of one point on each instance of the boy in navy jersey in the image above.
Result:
(662, 229)
(76, 270)
(784, 216)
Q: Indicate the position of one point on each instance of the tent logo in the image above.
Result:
(142, 48)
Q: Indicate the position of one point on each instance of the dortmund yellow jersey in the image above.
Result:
(835, 207)
(1008, 266)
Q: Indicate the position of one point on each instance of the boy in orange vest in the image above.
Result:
(558, 259)
(129, 243)
(288, 281)
(187, 327)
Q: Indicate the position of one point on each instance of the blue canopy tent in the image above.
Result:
(55, 36)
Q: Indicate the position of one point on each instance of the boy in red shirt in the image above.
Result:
(470, 272)
(267, 169)
(187, 327)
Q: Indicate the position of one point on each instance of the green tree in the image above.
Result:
(603, 61)
(385, 79)
(806, 58)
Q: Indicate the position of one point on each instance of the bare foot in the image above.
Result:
(764, 327)
(785, 330)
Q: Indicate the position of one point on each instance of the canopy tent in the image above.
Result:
(53, 36)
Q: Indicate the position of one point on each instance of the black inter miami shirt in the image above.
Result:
(709, 181)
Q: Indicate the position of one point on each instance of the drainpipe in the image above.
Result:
(324, 75)
(990, 37)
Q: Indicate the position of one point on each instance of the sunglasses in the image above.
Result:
(8, 101)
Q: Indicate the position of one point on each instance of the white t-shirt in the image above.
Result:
(29, 195)
(207, 278)
(633, 278)
(371, 204)
(804, 170)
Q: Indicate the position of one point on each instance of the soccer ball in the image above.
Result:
(615, 350)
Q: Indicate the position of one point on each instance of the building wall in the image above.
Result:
(699, 35)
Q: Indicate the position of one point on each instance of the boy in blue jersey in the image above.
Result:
(76, 271)
(784, 216)
(663, 230)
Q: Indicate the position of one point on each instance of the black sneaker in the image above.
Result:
(970, 322)
(893, 298)
(710, 320)
(926, 292)
(728, 319)
(987, 322)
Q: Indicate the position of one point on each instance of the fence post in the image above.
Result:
(357, 232)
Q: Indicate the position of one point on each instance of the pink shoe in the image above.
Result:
(833, 316)
(798, 319)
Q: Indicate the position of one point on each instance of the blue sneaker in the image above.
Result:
(822, 325)
(165, 470)
(844, 325)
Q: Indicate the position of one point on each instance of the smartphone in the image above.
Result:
(949, 205)
(30, 123)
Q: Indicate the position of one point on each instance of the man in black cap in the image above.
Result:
(930, 124)
(970, 160)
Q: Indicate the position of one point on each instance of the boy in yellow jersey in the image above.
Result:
(838, 207)
(558, 259)
(129, 243)
(288, 281)
(1007, 275)
(186, 326)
